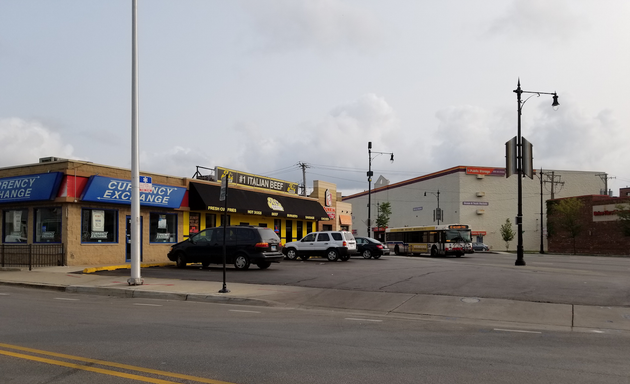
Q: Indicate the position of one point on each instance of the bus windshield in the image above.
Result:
(454, 235)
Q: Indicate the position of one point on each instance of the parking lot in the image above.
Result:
(546, 278)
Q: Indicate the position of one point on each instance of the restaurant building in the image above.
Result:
(80, 211)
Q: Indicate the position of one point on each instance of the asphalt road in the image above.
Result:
(558, 279)
(57, 337)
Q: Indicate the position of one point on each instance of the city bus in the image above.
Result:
(436, 240)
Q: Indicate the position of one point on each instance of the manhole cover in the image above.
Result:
(470, 300)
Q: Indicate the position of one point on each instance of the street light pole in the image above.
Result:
(438, 213)
(519, 164)
(369, 175)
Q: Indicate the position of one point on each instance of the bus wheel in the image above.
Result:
(458, 255)
(434, 252)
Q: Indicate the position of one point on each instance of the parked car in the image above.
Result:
(479, 247)
(333, 245)
(244, 245)
(369, 247)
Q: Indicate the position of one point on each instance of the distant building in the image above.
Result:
(481, 197)
(601, 231)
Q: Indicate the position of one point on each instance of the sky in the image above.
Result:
(260, 86)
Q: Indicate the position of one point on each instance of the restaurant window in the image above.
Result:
(162, 227)
(299, 230)
(264, 225)
(193, 223)
(99, 225)
(48, 225)
(211, 220)
(277, 226)
(227, 220)
(15, 226)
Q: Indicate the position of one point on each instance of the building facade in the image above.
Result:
(600, 231)
(481, 197)
(82, 211)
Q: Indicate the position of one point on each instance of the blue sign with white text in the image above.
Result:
(118, 191)
(42, 186)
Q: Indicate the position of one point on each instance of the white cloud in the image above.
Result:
(539, 19)
(24, 142)
(323, 25)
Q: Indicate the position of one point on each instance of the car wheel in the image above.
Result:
(367, 254)
(376, 257)
(434, 252)
(332, 255)
(181, 260)
(264, 264)
(205, 264)
(241, 262)
(304, 257)
(292, 254)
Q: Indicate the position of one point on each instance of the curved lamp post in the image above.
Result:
(519, 163)
(369, 175)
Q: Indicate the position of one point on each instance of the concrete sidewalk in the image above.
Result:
(499, 312)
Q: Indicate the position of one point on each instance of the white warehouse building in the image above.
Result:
(481, 197)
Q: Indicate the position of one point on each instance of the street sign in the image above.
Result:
(146, 184)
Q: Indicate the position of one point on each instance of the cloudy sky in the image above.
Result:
(262, 85)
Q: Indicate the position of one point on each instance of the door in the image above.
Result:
(128, 240)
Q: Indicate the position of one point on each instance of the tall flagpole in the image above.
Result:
(135, 278)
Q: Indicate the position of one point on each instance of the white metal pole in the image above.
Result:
(135, 278)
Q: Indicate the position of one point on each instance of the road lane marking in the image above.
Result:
(65, 298)
(86, 368)
(357, 319)
(515, 330)
(243, 311)
(102, 362)
(4, 294)
(148, 305)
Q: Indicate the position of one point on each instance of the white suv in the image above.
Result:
(331, 244)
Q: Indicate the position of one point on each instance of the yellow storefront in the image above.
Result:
(252, 200)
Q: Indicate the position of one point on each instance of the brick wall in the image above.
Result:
(596, 237)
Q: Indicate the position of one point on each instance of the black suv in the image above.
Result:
(244, 245)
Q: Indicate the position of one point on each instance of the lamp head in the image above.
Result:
(369, 145)
(555, 105)
(392, 158)
(425, 193)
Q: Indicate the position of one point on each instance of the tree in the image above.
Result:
(623, 213)
(567, 215)
(507, 233)
(384, 211)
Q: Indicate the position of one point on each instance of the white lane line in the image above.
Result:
(243, 311)
(515, 330)
(148, 305)
(4, 294)
(356, 319)
(65, 298)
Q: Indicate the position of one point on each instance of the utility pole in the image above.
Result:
(542, 242)
(303, 166)
(551, 178)
(605, 177)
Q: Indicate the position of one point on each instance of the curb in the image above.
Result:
(125, 266)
